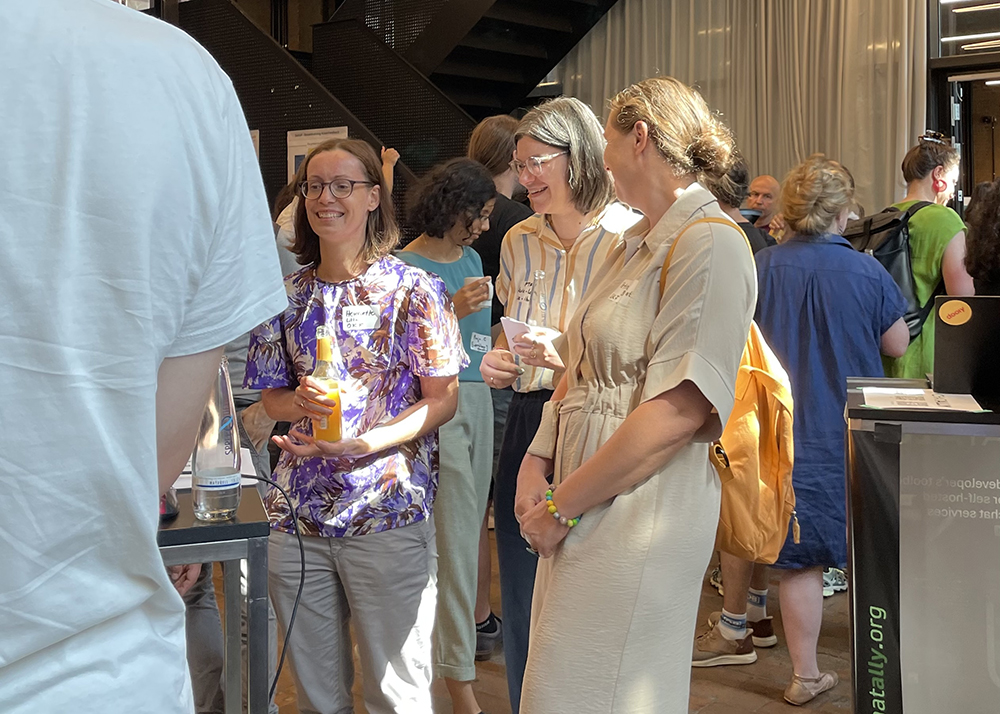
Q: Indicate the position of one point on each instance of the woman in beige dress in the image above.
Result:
(650, 373)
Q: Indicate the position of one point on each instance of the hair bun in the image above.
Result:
(712, 152)
(700, 153)
(687, 134)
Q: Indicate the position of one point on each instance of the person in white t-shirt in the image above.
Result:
(135, 241)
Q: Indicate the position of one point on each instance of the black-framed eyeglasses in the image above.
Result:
(340, 188)
(935, 137)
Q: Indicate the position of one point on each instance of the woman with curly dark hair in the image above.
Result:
(982, 246)
(451, 208)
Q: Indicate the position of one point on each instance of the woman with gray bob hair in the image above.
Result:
(617, 493)
(559, 159)
(567, 123)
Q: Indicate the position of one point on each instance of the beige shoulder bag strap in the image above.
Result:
(670, 253)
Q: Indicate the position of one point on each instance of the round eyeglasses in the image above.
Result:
(340, 188)
(534, 164)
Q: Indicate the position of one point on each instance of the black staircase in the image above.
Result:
(486, 55)
(510, 49)
(389, 94)
(277, 94)
(412, 74)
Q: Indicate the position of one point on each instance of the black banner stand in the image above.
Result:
(873, 548)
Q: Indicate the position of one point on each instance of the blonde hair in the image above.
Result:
(814, 193)
(569, 124)
(689, 137)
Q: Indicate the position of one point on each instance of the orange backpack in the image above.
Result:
(754, 456)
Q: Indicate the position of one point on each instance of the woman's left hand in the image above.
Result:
(358, 446)
(543, 532)
(535, 349)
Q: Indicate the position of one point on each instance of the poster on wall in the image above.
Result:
(302, 141)
(255, 137)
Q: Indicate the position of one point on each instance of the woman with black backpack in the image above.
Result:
(937, 243)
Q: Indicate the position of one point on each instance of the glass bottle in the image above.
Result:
(215, 464)
(329, 427)
(538, 302)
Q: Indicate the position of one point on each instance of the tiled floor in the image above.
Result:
(718, 690)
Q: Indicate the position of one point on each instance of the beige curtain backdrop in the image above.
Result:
(790, 77)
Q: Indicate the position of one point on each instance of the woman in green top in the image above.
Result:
(937, 243)
(451, 208)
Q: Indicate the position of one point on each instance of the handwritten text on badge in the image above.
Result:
(479, 343)
(358, 318)
(524, 293)
(623, 293)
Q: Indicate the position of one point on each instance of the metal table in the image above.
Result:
(188, 540)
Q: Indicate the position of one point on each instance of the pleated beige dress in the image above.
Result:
(614, 611)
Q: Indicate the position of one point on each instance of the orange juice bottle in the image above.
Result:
(328, 428)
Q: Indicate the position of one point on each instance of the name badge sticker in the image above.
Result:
(480, 343)
(359, 318)
(524, 293)
(623, 293)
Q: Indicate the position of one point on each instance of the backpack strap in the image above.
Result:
(670, 253)
(916, 207)
(926, 309)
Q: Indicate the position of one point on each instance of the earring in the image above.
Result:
(939, 186)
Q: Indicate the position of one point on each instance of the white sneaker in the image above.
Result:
(834, 581)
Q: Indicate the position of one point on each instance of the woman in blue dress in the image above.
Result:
(827, 311)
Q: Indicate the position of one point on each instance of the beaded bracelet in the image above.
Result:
(570, 522)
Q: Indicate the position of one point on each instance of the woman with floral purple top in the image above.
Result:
(364, 502)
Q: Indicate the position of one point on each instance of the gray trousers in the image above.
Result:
(385, 586)
(466, 461)
(205, 649)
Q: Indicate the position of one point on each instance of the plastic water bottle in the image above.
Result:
(215, 464)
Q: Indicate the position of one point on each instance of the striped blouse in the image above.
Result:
(533, 245)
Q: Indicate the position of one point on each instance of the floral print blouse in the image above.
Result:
(392, 324)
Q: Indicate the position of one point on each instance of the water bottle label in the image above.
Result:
(222, 481)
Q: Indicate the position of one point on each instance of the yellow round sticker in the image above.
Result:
(956, 312)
